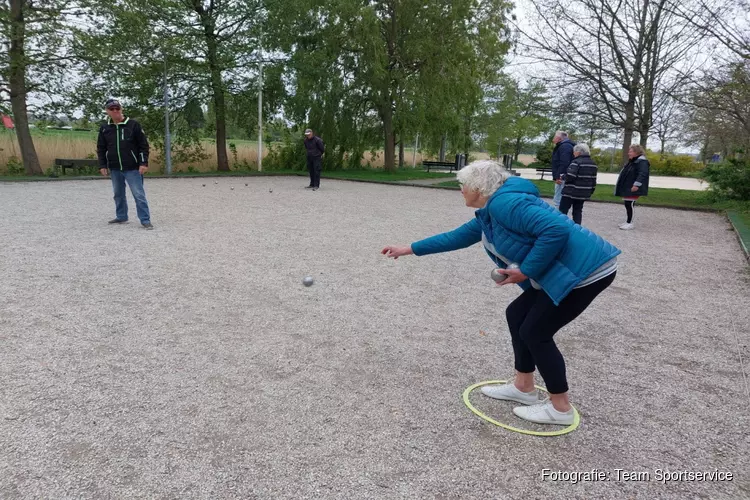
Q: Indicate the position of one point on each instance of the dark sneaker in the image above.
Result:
(148, 225)
(309, 187)
(117, 221)
(315, 188)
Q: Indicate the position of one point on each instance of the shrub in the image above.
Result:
(544, 153)
(14, 166)
(730, 179)
(675, 165)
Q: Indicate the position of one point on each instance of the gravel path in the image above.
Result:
(190, 362)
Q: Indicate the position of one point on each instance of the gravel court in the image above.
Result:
(190, 362)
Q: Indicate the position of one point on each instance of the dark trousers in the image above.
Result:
(314, 166)
(533, 319)
(577, 205)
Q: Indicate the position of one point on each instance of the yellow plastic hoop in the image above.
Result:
(566, 430)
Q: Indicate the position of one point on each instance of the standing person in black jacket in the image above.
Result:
(632, 182)
(562, 156)
(580, 182)
(315, 149)
(123, 149)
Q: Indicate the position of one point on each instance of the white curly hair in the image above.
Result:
(485, 176)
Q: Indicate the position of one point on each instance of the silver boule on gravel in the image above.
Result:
(307, 281)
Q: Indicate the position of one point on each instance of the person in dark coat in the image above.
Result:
(580, 182)
(315, 148)
(562, 156)
(632, 182)
(123, 150)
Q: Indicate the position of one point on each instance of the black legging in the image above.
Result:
(629, 209)
(533, 319)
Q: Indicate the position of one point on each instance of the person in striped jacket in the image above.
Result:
(580, 182)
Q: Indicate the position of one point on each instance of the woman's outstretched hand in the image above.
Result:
(514, 276)
(396, 252)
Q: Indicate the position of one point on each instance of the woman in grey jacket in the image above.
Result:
(632, 182)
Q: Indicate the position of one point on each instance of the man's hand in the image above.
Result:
(634, 189)
(103, 171)
(143, 169)
(558, 181)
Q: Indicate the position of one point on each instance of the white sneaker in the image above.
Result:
(509, 392)
(627, 226)
(545, 413)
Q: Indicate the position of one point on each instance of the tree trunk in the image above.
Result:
(517, 148)
(17, 84)
(217, 89)
(442, 147)
(644, 137)
(390, 143)
(627, 139)
(401, 153)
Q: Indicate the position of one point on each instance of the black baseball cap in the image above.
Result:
(111, 102)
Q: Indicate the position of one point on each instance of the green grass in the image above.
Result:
(744, 217)
(403, 174)
(741, 222)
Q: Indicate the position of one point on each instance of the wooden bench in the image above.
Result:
(544, 170)
(62, 163)
(439, 165)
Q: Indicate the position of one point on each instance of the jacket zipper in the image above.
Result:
(117, 135)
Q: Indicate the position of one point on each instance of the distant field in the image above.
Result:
(51, 144)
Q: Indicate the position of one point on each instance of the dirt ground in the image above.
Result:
(191, 362)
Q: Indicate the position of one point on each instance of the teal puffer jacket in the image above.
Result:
(550, 249)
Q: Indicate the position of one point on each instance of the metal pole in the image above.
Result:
(414, 157)
(260, 115)
(167, 138)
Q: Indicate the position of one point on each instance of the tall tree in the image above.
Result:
(210, 48)
(517, 115)
(725, 21)
(616, 51)
(412, 64)
(33, 60)
(722, 104)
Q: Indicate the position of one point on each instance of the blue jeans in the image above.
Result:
(135, 181)
(558, 194)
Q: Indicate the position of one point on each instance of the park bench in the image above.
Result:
(544, 170)
(439, 165)
(62, 163)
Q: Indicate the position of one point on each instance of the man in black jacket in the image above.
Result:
(562, 156)
(123, 149)
(315, 149)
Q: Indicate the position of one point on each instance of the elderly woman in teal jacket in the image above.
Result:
(562, 268)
